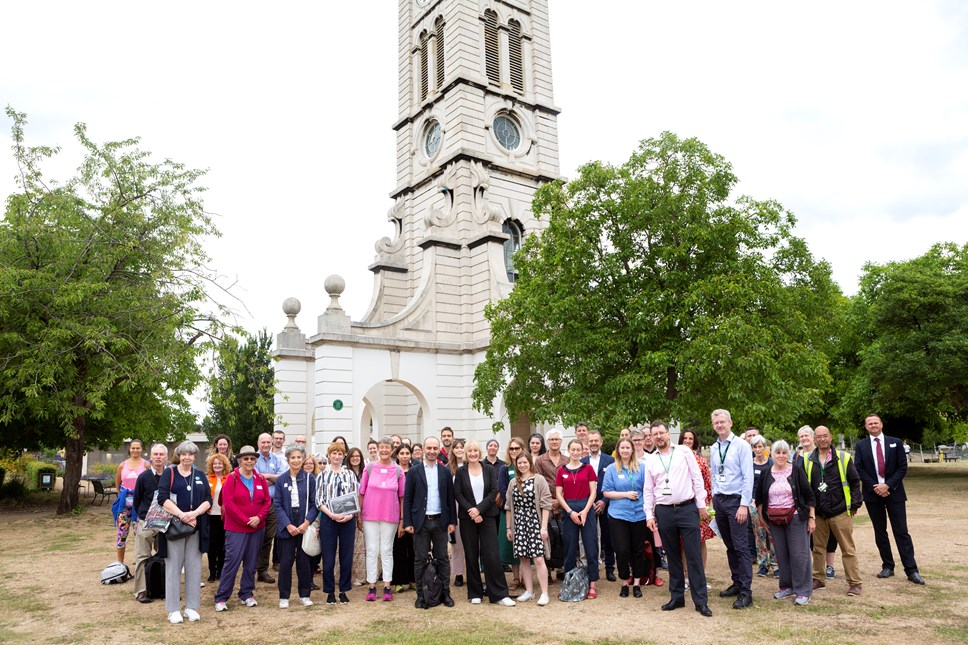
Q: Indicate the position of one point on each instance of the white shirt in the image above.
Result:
(594, 460)
(880, 480)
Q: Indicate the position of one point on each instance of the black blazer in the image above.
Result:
(895, 468)
(465, 493)
(415, 496)
(803, 497)
(604, 461)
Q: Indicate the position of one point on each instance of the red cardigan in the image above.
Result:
(237, 507)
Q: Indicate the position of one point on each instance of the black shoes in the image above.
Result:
(745, 600)
(343, 600)
(886, 573)
(610, 576)
(144, 599)
(448, 601)
(212, 578)
(673, 604)
(730, 591)
(331, 599)
(458, 581)
(624, 592)
(316, 587)
(419, 603)
(637, 591)
(266, 578)
(704, 610)
(916, 578)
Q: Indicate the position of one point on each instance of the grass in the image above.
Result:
(959, 634)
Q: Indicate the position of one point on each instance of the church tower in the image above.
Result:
(476, 136)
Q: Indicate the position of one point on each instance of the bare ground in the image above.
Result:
(49, 593)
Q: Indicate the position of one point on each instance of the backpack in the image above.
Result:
(115, 573)
(155, 577)
(556, 546)
(431, 587)
(574, 587)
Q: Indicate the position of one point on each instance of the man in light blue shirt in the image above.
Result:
(269, 466)
(731, 466)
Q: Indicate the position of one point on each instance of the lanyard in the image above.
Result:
(722, 455)
(664, 466)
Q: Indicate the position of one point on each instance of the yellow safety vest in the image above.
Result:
(843, 458)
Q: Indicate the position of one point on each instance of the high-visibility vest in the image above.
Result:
(843, 458)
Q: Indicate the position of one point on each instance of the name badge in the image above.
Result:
(384, 471)
(822, 487)
(565, 476)
(258, 487)
(893, 445)
(667, 491)
(721, 479)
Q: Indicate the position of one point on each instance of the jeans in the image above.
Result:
(589, 538)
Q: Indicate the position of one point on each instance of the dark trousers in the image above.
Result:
(605, 535)
(736, 538)
(403, 560)
(432, 538)
(337, 536)
(794, 556)
(881, 509)
(570, 533)
(241, 549)
(628, 538)
(290, 552)
(216, 546)
(271, 526)
(680, 525)
(480, 545)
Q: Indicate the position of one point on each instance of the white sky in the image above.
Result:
(854, 115)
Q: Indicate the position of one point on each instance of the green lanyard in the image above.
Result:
(722, 455)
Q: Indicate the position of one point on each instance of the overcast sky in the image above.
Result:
(854, 115)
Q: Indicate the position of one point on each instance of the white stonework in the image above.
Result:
(407, 366)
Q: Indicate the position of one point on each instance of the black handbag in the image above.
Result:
(177, 529)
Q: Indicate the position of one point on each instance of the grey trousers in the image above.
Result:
(183, 553)
(144, 544)
(794, 557)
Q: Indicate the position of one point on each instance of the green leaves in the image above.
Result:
(652, 293)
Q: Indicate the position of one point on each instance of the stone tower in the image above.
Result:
(476, 136)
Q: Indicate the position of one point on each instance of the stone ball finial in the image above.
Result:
(291, 307)
(334, 285)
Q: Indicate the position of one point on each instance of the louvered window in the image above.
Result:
(492, 61)
(511, 246)
(439, 28)
(515, 56)
(424, 65)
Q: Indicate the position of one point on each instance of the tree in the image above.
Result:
(241, 390)
(912, 359)
(104, 301)
(652, 294)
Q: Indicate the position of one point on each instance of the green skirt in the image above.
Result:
(506, 548)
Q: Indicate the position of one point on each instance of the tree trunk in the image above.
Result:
(73, 456)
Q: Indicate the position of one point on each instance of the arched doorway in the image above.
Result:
(393, 407)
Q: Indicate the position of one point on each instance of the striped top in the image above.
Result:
(332, 484)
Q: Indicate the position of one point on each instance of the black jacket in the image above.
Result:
(144, 491)
(803, 497)
(415, 497)
(832, 502)
(465, 492)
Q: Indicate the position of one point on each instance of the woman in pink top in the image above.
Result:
(126, 476)
(381, 494)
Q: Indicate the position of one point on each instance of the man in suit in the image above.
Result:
(429, 507)
(600, 462)
(882, 464)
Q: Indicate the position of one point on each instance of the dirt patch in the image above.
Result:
(49, 593)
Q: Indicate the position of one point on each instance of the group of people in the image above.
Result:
(475, 516)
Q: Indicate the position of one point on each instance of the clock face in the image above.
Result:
(423, 3)
(507, 132)
(432, 139)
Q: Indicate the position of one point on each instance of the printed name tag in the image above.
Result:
(893, 445)
(565, 476)
(384, 471)
(258, 487)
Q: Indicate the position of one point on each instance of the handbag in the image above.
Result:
(780, 516)
(157, 518)
(177, 529)
(310, 541)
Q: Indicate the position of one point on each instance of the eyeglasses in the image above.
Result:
(514, 448)
(246, 458)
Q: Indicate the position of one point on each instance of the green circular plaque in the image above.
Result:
(337, 405)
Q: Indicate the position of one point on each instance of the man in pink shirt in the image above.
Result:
(675, 501)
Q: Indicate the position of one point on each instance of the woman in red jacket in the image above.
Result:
(245, 503)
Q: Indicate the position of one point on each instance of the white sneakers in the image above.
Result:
(175, 617)
(525, 597)
(283, 603)
(306, 602)
(191, 615)
(543, 600)
(507, 602)
(221, 606)
(475, 601)
(250, 602)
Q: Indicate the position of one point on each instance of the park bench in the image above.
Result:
(102, 490)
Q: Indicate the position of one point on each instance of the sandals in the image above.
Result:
(516, 584)
(592, 592)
